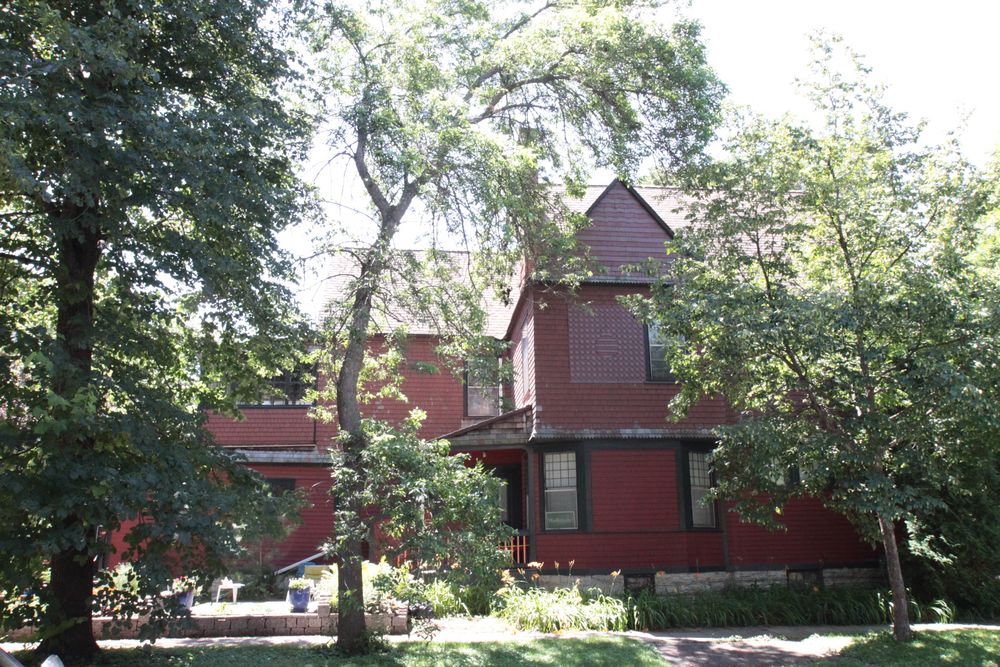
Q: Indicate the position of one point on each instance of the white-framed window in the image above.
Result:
(482, 392)
(561, 503)
(656, 353)
(699, 484)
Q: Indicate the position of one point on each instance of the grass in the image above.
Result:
(968, 648)
(548, 652)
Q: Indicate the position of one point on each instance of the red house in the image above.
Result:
(595, 473)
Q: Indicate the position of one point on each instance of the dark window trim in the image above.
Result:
(582, 523)
(685, 485)
(302, 369)
(669, 379)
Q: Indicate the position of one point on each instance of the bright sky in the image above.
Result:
(940, 60)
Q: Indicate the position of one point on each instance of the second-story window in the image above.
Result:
(656, 354)
(291, 387)
(482, 392)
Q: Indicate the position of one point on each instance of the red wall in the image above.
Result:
(635, 522)
(815, 535)
(440, 395)
(624, 399)
(317, 520)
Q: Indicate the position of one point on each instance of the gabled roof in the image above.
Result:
(666, 206)
(653, 213)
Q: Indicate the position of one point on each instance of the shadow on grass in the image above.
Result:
(547, 652)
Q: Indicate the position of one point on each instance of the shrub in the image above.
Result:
(443, 597)
(573, 609)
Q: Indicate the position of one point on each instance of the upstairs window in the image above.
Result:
(702, 513)
(291, 387)
(658, 366)
(482, 391)
(561, 502)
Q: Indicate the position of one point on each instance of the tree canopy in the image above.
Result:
(146, 164)
(832, 287)
(473, 118)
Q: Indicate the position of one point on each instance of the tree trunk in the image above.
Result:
(350, 589)
(69, 613)
(350, 597)
(70, 591)
(900, 611)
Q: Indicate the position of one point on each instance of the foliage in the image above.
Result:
(441, 597)
(545, 610)
(459, 108)
(426, 504)
(971, 647)
(543, 652)
(829, 288)
(536, 608)
(146, 165)
(299, 584)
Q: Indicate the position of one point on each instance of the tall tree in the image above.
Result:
(146, 160)
(829, 289)
(461, 105)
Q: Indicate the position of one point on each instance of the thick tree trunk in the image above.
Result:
(350, 590)
(900, 611)
(70, 591)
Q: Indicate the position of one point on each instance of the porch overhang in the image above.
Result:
(510, 429)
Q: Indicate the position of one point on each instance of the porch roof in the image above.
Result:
(510, 428)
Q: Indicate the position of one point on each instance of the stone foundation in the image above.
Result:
(697, 582)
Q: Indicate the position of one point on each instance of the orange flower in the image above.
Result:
(616, 573)
(535, 565)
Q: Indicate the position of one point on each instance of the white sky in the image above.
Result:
(940, 60)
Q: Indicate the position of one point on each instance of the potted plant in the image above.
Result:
(299, 591)
(184, 589)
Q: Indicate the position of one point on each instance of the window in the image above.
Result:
(561, 506)
(482, 391)
(280, 485)
(290, 387)
(699, 483)
(656, 353)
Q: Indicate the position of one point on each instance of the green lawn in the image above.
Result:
(549, 652)
(971, 648)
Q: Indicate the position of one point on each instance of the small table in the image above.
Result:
(228, 585)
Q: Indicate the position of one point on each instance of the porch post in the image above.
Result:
(529, 504)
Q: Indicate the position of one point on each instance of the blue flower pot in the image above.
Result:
(299, 597)
(186, 599)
